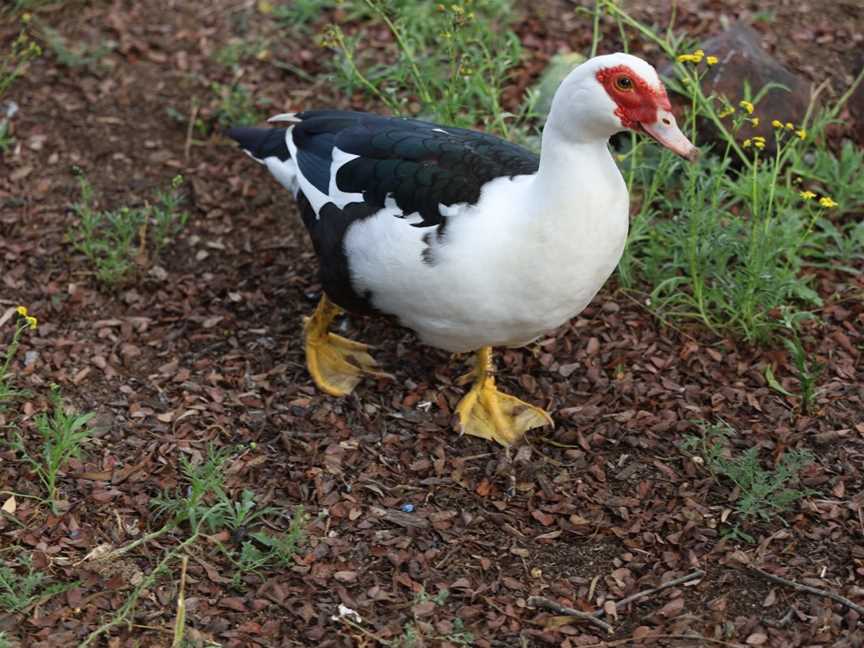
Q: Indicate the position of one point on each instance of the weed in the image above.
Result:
(234, 105)
(727, 243)
(14, 62)
(62, 435)
(4, 641)
(450, 59)
(412, 635)
(115, 242)
(759, 493)
(18, 591)
(298, 14)
(93, 59)
(238, 50)
(7, 392)
(806, 372)
(207, 504)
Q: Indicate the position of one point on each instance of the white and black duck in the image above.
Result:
(469, 240)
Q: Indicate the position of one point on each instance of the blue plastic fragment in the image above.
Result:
(407, 508)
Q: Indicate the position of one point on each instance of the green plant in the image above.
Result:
(237, 50)
(18, 591)
(262, 549)
(728, 243)
(81, 57)
(451, 59)
(7, 392)
(62, 435)
(115, 242)
(14, 62)
(298, 14)
(207, 504)
(412, 636)
(234, 105)
(759, 493)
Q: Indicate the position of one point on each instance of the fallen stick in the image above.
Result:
(548, 604)
(638, 595)
(812, 590)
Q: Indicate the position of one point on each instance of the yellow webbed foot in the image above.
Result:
(335, 363)
(488, 413)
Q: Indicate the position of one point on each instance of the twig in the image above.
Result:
(189, 129)
(700, 638)
(180, 620)
(128, 606)
(638, 595)
(812, 590)
(543, 602)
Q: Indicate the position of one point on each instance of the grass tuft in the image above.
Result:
(759, 494)
(119, 241)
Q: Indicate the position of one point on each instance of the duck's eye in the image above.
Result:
(624, 83)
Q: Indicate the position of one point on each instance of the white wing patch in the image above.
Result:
(337, 196)
(316, 198)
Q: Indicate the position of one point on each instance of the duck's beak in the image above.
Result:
(667, 133)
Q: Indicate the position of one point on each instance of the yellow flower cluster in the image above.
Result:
(801, 133)
(32, 322)
(758, 141)
(825, 201)
(747, 106)
(696, 57)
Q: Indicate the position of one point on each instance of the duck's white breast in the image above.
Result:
(502, 272)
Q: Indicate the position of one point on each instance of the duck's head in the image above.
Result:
(616, 92)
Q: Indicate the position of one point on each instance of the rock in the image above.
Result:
(743, 61)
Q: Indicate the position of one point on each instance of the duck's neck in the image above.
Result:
(574, 167)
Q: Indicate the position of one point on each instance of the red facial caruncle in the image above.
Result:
(636, 100)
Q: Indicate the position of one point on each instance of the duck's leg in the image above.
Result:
(488, 413)
(335, 363)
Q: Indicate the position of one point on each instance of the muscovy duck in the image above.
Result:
(469, 240)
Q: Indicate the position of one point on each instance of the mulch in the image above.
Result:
(203, 349)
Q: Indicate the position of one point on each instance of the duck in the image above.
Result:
(469, 240)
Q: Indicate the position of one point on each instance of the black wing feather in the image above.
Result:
(420, 164)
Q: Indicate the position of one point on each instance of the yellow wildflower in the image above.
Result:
(789, 125)
(695, 57)
(711, 60)
(747, 106)
(826, 202)
(754, 121)
(746, 143)
(725, 113)
(32, 322)
(801, 133)
(776, 123)
(759, 142)
(807, 195)
(22, 311)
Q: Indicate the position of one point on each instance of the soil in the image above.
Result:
(203, 349)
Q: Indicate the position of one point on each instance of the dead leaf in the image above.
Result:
(10, 506)
(672, 608)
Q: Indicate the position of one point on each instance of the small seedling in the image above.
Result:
(234, 105)
(413, 637)
(7, 392)
(762, 494)
(116, 242)
(806, 372)
(18, 591)
(62, 435)
(82, 57)
(206, 503)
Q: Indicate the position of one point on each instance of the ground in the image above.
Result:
(203, 348)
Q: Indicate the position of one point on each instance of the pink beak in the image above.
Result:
(667, 133)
